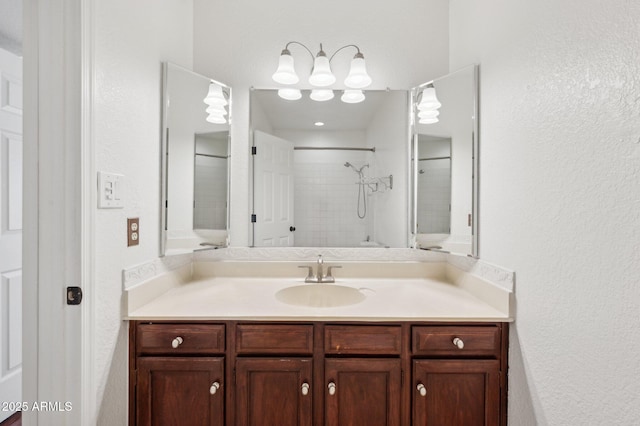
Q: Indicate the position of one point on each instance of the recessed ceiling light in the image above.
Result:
(319, 123)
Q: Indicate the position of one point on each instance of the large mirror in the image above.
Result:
(330, 173)
(445, 163)
(195, 161)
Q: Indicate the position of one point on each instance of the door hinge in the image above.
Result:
(74, 295)
(254, 150)
(253, 218)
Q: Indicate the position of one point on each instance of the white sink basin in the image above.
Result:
(320, 295)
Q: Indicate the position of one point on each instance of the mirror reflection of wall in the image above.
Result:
(195, 150)
(342, 172)
(455, 132)
(434, 181)
(210, 180)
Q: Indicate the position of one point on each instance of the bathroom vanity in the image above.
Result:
(317, 373)
(427, 345)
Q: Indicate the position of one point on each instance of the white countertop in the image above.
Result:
(388, 299)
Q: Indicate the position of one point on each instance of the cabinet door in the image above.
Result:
(274, 391)
(180, 391)
(456, 393)
(362, 391)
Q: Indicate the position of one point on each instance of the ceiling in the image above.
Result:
(11, 26)
(303, 113)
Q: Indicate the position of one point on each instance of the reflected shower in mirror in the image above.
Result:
(330, 173)
(444, 162)
(195, 161)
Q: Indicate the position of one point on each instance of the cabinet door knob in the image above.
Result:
(176, 342)
(332, 388)
(305, 389)
(214, 388)
(422, 389)
(458, 342)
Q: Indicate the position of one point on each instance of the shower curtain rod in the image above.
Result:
(323, 148)
(213, 156)
(434, 158)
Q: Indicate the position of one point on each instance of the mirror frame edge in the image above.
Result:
(475, 143)
(164, 140)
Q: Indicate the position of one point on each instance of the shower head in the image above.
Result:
(348, 164)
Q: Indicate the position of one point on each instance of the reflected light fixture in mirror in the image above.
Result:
(216, 103)
(428, 106)
(321, 74)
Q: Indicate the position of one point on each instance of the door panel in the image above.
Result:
(273, 191)
(458, 393)
(269, 392)
(367, 392)
(178, 391)
(10, 228)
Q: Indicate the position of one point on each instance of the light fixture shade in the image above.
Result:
(321, 75)
(321, 95)
(358, 77)
(290, 94)
(352, 96)
(216, 119)
(429, 99)
(429, 113)
(428, 120)
(215, 95)
(216, 110)
(285, 74)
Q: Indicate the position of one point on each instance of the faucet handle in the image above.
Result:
(309, 277)
(329, 278)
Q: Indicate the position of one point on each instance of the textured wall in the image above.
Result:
(131, 41)
(560, 197)
(405, 43)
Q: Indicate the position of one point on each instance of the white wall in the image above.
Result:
(560, 197)
(239, 43)
(131, 41)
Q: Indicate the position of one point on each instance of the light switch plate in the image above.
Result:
(110, 190)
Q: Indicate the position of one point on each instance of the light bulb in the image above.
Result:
(352, 96)
(215, 95)
(290, 94)
(321, 75)
(429, 99)
(216, 119)
(216, 110)
(428, 120)
(358, 77)
(285, 74)
(429, 113)
(321, 95)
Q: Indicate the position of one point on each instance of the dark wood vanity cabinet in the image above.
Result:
(320, 373)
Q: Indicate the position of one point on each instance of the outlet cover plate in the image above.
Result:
(133, 231)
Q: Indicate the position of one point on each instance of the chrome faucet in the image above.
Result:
(320, 277)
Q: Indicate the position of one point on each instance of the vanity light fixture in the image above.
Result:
(321, 95)
(351, 96)
(428, 106)
(290, 94)
(216, 103)
(321, 74)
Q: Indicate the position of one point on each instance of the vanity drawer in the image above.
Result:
(284, 339)
(456, 341)
(174, 339)
(363, 339)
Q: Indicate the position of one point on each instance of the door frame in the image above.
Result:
(58, 213)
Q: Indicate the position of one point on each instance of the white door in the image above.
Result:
(273, 191)
(10, 229)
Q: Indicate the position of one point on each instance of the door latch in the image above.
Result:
(74, 295)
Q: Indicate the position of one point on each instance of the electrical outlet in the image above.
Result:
(133, 232)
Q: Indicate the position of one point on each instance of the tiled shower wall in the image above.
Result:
(210, 210)
(434, 196)
(326, 199)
